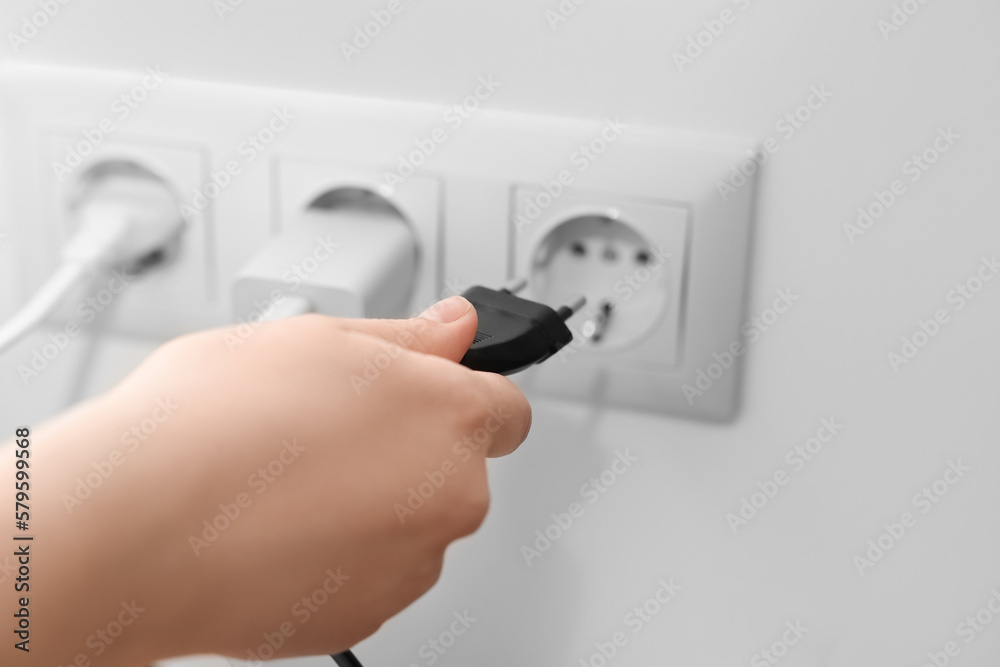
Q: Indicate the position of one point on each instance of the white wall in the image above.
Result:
(826, 358)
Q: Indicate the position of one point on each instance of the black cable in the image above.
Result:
(346, 659)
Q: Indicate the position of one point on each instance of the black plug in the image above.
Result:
(515, 333)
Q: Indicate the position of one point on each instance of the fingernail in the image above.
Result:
(448, 310)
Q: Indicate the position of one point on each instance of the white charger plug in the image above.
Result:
(350, 254)
(125, 215)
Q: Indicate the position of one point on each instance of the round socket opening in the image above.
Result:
(352, 197)
(611, 263)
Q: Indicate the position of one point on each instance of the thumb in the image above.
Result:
(446, 329)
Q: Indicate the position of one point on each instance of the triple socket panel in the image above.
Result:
(632, 217)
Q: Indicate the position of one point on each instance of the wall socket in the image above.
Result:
(627, 256)
(634, 218)
(174, 298)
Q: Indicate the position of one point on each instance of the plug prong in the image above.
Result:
(515, 286)
(594, 328)
(575, 304)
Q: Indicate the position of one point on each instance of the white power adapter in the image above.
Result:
(350, 254)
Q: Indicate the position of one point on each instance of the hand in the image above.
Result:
(294, 487)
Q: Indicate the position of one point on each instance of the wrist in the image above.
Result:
(102, 587)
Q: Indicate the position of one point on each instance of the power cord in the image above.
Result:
(45, 300)
(346, 659)
(126, 216)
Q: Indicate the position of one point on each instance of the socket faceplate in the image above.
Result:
(256, 155)
(679, 306)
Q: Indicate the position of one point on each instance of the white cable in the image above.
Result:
(123, 218)
(42, 303)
